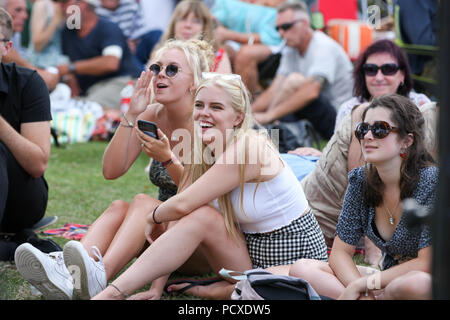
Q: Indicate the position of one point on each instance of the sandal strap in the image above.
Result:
(120, 291)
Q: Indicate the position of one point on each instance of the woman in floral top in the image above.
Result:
(398, 167)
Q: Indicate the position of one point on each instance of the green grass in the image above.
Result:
(78, 193)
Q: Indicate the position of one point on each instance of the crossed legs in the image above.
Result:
(412, 285)
(205, 229)
(119, 232)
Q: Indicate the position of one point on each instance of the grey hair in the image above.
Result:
(6, 26)
(295, 6)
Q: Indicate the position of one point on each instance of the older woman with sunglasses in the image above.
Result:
(391, 137)
(381, 69)
(163, 95)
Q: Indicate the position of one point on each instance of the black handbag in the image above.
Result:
(293, 135)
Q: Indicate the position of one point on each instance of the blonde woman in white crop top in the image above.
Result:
(238, 203)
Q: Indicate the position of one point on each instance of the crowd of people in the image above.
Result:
(197, 76)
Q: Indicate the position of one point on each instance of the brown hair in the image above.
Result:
(408, 119)
(201, 12)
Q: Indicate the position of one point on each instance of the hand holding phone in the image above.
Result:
(149, 128)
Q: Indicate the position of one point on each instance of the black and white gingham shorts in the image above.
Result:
(302, 238)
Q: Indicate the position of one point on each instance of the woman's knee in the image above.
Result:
(304, 267)
(142, 204)
(414, 284)
(205, 216)
(142, 198)
(117, 210)
(247, 55)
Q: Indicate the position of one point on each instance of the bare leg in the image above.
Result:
(204, 227)
(102, 231)
(414, 285)
(290, 85)
(130, 238)
(246, 64)
(119, 232)
(319, 275)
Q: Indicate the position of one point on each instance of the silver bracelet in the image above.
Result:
(129, 123)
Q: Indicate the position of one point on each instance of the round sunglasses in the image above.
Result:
(380, 129)
(388, 69)
(171, 69)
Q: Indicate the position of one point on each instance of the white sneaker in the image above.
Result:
(89, 275)
(46, 272)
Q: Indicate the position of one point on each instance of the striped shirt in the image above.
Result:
(127, 16)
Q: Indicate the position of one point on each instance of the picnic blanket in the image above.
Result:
(73, 231)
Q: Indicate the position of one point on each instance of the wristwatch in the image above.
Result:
(72, 67)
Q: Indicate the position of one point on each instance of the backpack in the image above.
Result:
(259, 284)
(292, 135)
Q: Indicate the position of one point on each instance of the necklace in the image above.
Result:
(391, 217)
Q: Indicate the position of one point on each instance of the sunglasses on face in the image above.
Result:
(171, 69)
(388, 69)
(380, 129)
(287, 26)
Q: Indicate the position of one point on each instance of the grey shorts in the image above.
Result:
(302, 238)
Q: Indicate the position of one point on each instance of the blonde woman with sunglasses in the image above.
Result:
(239, 204)
(391, 137)
(163, 95)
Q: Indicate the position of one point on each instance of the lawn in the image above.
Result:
(78, 193)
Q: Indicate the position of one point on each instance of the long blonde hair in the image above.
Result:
(199, 56)
(242, 135)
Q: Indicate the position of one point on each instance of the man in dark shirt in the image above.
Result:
(24, 141)
(418, 25)
(101, 62)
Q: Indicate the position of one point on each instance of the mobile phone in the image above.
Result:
(149, 128)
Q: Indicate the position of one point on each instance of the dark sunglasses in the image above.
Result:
(388, 69)
(287, 26)
(171, 69)
(380, 129)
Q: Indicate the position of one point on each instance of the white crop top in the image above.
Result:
(276, 204)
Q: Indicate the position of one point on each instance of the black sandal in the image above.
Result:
(192, 283)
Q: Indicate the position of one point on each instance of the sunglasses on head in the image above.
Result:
(287, 26)
(225, 76)
(380, 129)
(388, 69)
(171, 69)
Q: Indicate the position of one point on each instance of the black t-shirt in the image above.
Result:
(24, 96)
